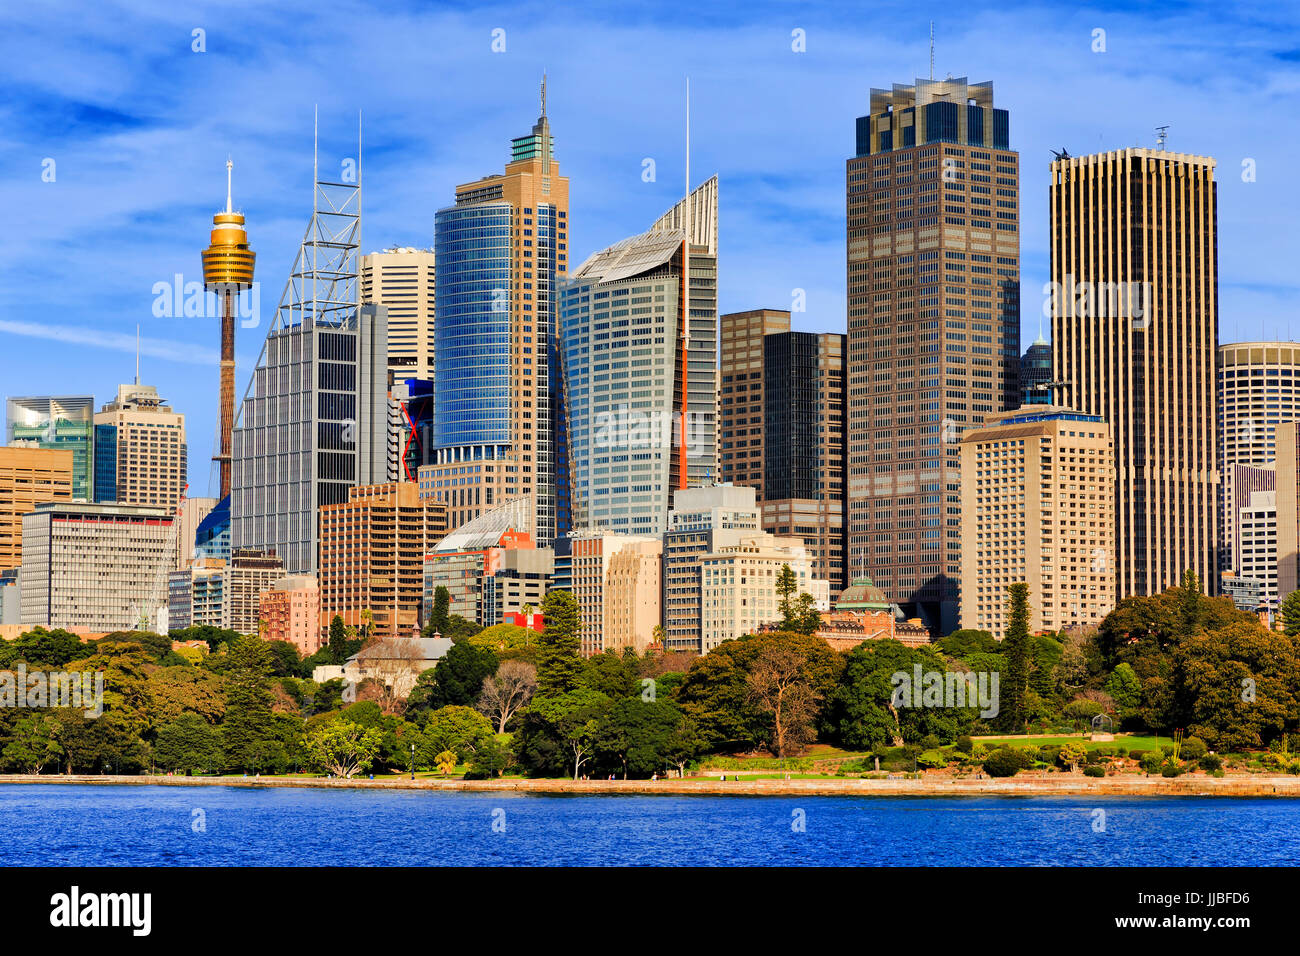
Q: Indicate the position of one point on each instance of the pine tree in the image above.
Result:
(559, 660)
(1015, 649)
(338, 640)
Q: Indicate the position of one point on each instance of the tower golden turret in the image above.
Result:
(227, 271)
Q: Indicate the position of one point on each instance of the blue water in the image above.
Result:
(97, 825)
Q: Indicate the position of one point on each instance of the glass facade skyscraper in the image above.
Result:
(499, 423)
(60, 422)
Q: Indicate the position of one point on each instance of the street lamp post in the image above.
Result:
(412, 761)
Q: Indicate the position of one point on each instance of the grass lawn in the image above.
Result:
(1127, 741)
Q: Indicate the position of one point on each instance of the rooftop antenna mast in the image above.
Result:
(932, 49)
(137, 352)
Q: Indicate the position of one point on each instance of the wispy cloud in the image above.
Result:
(169, 351)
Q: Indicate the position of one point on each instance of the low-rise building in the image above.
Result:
(290, 611)
(738, 586)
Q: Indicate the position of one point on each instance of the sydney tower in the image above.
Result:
(227, 271)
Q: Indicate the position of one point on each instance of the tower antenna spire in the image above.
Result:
(229, 166)
(932, 49)
(543, 92)
(137, 354)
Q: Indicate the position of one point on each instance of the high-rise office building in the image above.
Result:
(403, 281)
(28, 477)
(702, 520)
(1287, 487)
(95, 567)
(1037, 509)
(934, 326)
(141, 457)
(1258, 387)
(621, 320)
(740, 393)
(1036, 374)
(372, 550)
(314, 422)
(1134, 300)
(1257, 536)
(593, 553)
(499, 426)
(63, 422)
(804, 417)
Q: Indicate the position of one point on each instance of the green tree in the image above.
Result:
(338, 640)
(1125, 690)
(637, 736)
(571, 720)
(490, 758)
(188, 744)
(35, 743)
(1016, 649)
(459, 729)
(248, 740)
(559, 664)
(441, 615)
(1291, 614)
(343, 748)
(458, 677)
(786, 585)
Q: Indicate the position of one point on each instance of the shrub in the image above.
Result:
(964, 744)
(1167, 749)
(932, 758)
(1210, 762)
(1172, 768)
(1094, 770)
(1151, 762)
(1137, 753)
(1107, 751)
(1217, 773)
(931, 742)
(1094, 757)
(1004, 762)
(1193, 749)
(1049, 753)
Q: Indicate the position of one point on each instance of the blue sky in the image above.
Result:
(139, 126)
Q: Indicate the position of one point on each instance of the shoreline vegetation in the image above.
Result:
(1124, 785)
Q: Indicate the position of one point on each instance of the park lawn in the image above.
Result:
(1127, 741)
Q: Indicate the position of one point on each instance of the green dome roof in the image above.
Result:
(862, 595)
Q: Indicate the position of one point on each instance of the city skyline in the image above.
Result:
(154, 179)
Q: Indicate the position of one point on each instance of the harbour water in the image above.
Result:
(239, 826)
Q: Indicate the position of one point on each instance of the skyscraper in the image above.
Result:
(403, 281)
(314, 420)
(934, 326)
(803, 447)
(60, 422)
(140, 451)
(1258, 388)
(1036, 373)
(1134, 334)
(740, 393)
(499, 425)
(621, 334)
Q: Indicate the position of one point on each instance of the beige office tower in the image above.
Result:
(140, 448)
(632, 596)
(592, 555)
(28, 477)
(1036, 509)
(1258, 387)
(403, 280)
(1134, 304)
(1287, 468)
(740, 394)
(933, 326)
